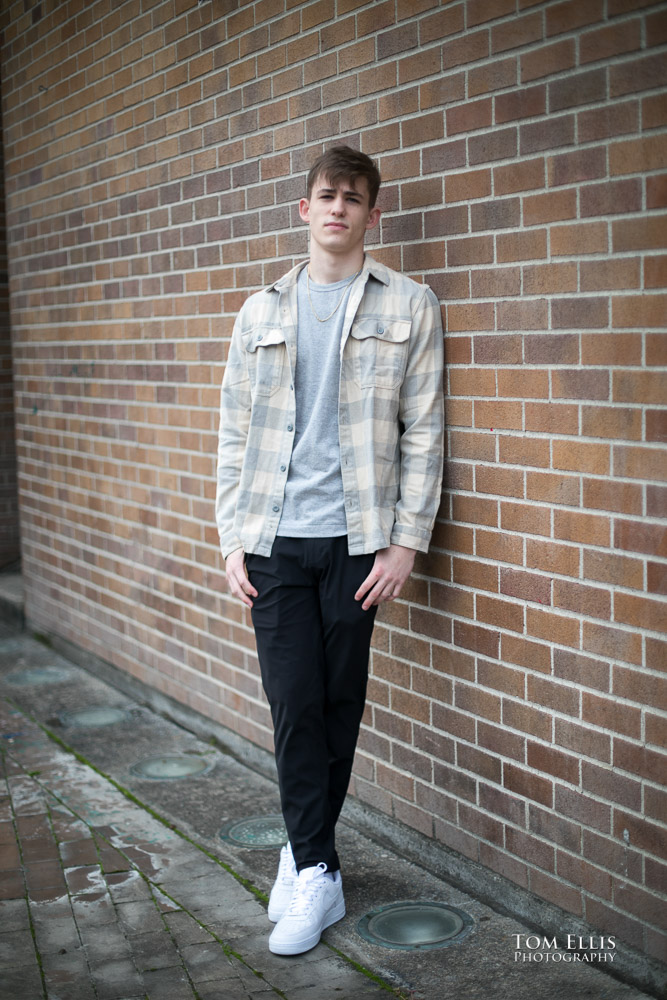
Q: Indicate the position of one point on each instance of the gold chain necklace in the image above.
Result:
(324, 319)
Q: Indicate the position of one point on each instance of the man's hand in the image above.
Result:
(391, 569)
(237, 578)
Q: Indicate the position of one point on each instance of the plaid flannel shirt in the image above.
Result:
(390, 414)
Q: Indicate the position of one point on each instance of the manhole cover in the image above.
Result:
(38, 675)
(414, 925)
(170, 767)
(256, 831)
(97, 715)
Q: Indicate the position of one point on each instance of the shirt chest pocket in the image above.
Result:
(266, 352)
(379, 352)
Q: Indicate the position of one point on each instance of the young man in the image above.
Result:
(329, 478)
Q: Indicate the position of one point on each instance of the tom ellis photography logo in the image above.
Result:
(571, 948)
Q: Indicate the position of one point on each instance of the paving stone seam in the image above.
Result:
(33, 932)
(173, 828)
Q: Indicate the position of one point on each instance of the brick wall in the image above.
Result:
(155, 151)
(9, 515)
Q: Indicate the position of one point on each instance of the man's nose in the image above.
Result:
(338, 206)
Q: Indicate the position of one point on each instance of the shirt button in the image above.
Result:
(276, 508)
(380, 329)
(282, 468)
(289, 427)
(261, 337)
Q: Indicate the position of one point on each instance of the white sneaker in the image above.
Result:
(284, 885)
(317, 903)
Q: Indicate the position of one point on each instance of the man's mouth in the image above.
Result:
(335, 225)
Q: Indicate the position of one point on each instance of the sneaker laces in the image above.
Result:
(307, 891)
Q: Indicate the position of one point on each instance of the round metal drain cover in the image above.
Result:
(97, 715)
(256, 831)
(170, 767)
(414, 926)
(33, 676)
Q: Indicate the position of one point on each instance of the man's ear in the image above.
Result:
(304, 209)
(373, 217)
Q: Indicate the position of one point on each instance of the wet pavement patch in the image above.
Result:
(171, 767)
(412, 926)
(96, 715)
(256, 831)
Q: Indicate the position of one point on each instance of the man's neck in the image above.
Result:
(325, 269)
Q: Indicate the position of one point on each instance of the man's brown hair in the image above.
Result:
(342, 163)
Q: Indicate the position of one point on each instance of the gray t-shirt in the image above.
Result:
(313, 505)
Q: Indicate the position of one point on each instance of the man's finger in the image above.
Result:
(366, 585)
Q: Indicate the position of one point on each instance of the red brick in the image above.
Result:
(636, 685)
(470, 116)
(500, 741)
(535, 520)
(552, 627)
(551, 557)
(464, 187)
(654, 111)
(547, 760)
(636, 536)
(516, 32)
(656, 191)
(597, 275)
(641, 612)
(571, 14)
(523, 451)
(611, 197)
(577, 166)
(633, 156)
(502, 614)
(548, 59)
(579, 238)
(469, 48)
(478, 639)
(640, 463)
(525, 103)
(543, 279)
(554, 206)
(638, 387)
(589, 385)
(497, 75)
(586, 600)
(582, 739)
(609, 40)
(592, 458)
(525, 653)
(633, 311)
(524, 176)
(530, 786)
(642, 73)
(521, 245)
(499, 144)
(623, 498)
(603, 640)
(498, 349)
(445, 22)
(578, 871)
(606, 122)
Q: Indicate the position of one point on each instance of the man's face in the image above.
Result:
(339, 216)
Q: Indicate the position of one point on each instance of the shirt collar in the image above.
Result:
(371, 267)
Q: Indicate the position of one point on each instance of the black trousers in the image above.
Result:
(313, 643)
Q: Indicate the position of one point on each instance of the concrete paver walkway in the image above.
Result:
(115, 887)
(102, 901)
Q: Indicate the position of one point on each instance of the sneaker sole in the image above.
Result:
(305, 944)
